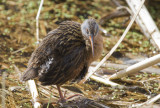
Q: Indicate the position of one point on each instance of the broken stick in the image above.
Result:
(136, 67)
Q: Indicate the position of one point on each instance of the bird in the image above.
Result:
(65, 54)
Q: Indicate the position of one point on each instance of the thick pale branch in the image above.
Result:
(124, 66)
(137, 67)
(34, 93)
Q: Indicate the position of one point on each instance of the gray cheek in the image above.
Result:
(83, 30)
(84, 33)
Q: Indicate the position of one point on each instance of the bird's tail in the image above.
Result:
(30, 73)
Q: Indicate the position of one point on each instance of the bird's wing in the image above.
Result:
(55, 40)
(65, 68)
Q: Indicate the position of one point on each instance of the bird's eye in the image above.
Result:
(87, 31)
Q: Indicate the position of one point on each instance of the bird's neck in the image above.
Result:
(98, 47)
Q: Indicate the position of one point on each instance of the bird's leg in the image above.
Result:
(60, 94)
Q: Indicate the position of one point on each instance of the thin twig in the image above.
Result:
(115, 47)
(107, 82)
(150, 101)
(17, 70)
(154, 99)
(126, 8)
(116, 2)
(21, 49)
(37, 21)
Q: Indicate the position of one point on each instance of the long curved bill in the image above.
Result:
(92, 44)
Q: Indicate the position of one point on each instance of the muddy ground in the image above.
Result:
(18, 41)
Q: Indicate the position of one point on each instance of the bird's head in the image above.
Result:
(90, 30)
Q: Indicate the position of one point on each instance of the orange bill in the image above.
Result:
(92, 44)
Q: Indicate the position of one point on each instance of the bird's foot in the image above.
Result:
(64, 99)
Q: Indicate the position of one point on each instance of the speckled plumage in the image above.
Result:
(63, 55)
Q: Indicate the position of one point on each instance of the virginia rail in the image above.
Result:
(65, 54)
